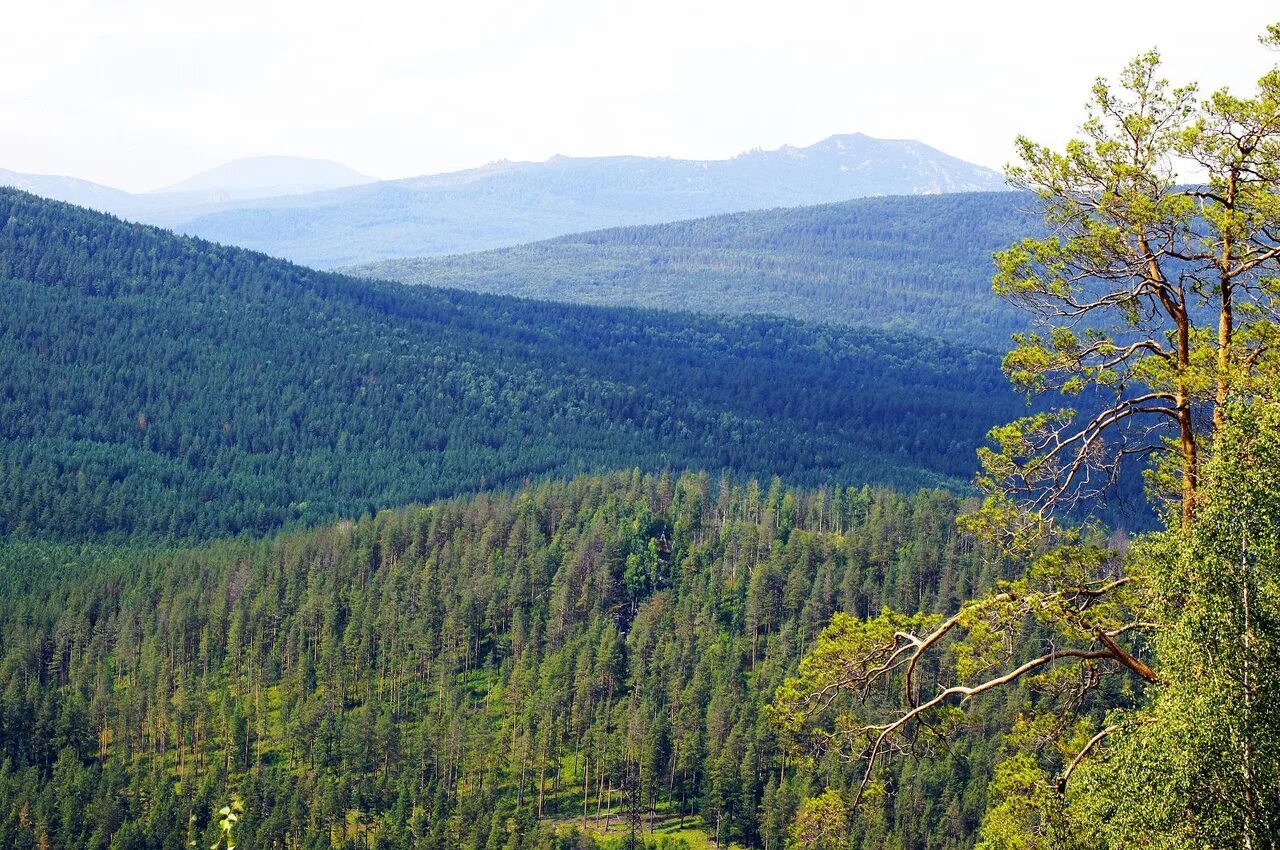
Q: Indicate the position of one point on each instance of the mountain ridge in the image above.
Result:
(163, 386)
(249, 178)
(71, 190)
(509, 203)
(891, 262)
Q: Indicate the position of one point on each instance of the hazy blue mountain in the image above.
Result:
(69, 189)
(323, 214)
(232, 183)
(857, 165)
(508, 203)
(921, 264)
(268, 176)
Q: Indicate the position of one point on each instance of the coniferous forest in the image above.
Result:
(606, 646)
(166, 387)
(479, 673)
(746, 537)
(831, 263)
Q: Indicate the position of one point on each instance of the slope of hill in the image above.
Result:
(161, 208)
(233, 182)
(921, 264)
(267, 176)
(161, 385)
(509, 203)
(475, 674)
(71, 190)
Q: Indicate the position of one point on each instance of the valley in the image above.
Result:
(167, 387)
(849, 495)
(621, 634)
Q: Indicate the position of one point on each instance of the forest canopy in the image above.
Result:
(890, 262)
(478, 673)
(166, 387)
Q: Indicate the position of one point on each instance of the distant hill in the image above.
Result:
(229, 184)
(508, 203)
(70, 190)
(167, 208)
(921, 264)
(267, 176)
(158, 385)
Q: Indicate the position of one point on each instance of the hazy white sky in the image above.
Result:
(142, 93)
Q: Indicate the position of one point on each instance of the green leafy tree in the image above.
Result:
(1154, 300)
(1208, 746)
(822, 823)
(1199, 765)
(228, 818)
(1155, 304)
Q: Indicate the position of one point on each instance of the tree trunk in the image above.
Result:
(1186, 428)
(1225, 318)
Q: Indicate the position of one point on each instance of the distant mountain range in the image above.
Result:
(270, 176)
(239, 180)
(920, 264)
(509, 203)
(73, 191)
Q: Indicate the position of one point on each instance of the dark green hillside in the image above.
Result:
(471, 675)
(165, 386)
(921, 264)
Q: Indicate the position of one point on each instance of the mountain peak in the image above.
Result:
(264, 176)
(503, 204)
(857, 142)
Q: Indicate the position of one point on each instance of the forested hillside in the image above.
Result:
(164, 386)
(921, 264)
(475, 674)
(947, 518)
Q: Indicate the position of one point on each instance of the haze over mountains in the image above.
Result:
(238, 180)
(266, 176)
(72, 190)
(509, 203)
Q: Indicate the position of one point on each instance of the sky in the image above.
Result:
(140, 94)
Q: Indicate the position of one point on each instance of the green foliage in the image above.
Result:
(822, 823)
(472, 674)
(169, 388)
(892, 262)
(1153, 300)
(876, 686)
(1025, 813)
(1186, 752)
(228, 817)
(1197, 763)
(1200, 767)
